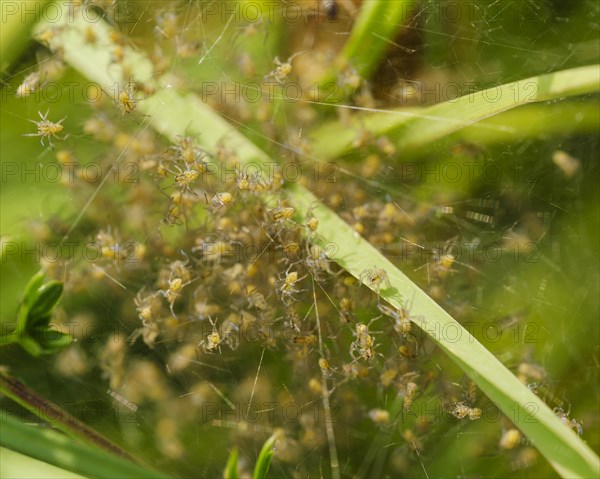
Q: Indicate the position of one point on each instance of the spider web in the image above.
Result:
(523, 274)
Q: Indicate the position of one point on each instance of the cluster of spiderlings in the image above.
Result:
(245, 281)
(204, 272)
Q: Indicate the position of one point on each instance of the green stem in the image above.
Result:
(61, 419)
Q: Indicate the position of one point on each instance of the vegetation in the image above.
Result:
(329, 229)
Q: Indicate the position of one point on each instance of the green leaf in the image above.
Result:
(53, 341)
(47, 297)
(31, 290)
(32, 330)
(54, 448)
(15, 464)
(411, 129)
(264, 458)
(15, 33)
(30, 345)
(62, 420)
(230, 471)
(373, 33)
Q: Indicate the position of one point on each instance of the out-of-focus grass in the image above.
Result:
(56, 449)
(15, 34)
(412, 130)
(19, 466)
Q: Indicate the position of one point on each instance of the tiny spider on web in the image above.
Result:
(47, 129)
(375, 278)
(282, 69)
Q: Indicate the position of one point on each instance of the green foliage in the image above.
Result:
(230, 471)
(264, 458)
(412, 130)
(374, 31)
(69, 454)
(527, 411)
(33, 331)
(175, 110)
(263, 461)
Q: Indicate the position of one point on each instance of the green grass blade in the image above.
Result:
(264, 459)
(373, 32)
(565, 451)
(54, 448)
(230, 471)
(411, 129)
(172, 113)
(536, 121)
(17, 465)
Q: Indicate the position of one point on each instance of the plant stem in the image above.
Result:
(61, 419)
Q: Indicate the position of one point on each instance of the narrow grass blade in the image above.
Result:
(411, 129)
(264, 459)
(565, 451)
(16, 465)
(373, 32)
(54, 448)
(231, 466)
(536, 121)
(172, 113)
